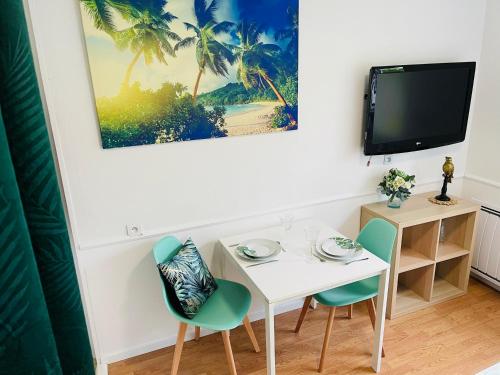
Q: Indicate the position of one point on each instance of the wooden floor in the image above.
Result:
(461, 336)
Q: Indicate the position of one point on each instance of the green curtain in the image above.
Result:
(42, 324)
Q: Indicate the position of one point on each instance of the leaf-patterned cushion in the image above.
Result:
(187, 275)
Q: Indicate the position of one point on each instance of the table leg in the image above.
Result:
(221, 254)
(270, 352)
(314, 304)
(223, 266)
(379, 323)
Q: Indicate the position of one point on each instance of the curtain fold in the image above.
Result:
(42, 324)
(26, 338)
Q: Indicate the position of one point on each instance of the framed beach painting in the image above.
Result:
(179, 70)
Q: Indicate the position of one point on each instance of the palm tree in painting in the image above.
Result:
(101, 12)
(257, 61)
(291, 33)
(149, 36)
(210, 53)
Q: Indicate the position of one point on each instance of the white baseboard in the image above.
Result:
(495, 284)
(101, 369)
(170, 341)
(493, 370)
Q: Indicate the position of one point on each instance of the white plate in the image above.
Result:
(242, 255)
(332, 247)
(351, 255)
(258, 249)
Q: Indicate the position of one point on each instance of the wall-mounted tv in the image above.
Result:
(416, 107)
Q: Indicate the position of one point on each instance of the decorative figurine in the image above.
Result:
(448, 169)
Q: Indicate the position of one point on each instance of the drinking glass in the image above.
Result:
(286, 221)
(312, 233)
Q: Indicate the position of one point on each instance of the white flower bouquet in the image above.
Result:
(397, 184)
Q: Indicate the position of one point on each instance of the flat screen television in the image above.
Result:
(416, 107)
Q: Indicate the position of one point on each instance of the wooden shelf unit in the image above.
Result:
(432, 253)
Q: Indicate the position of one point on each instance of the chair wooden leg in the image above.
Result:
(303, 313)
(196, 333)
(326, 340)
(229, 352)
(371, 311)
(349, 312)
(253, 339)
(178, 348)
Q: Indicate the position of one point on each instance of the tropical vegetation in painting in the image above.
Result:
(177, 70)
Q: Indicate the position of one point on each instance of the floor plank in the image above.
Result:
(460, 336)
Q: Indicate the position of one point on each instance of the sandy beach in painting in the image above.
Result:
(254, 121)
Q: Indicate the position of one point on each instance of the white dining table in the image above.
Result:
(296, 275)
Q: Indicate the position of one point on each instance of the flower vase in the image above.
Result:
(394, 202)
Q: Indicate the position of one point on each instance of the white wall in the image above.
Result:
(483, 162)
(482, 191)
(214, 188)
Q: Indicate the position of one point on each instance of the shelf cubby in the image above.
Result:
(449, 279)
(443, 290)
(448, 250)
(418, 246)
(455, 236)
(414, 289)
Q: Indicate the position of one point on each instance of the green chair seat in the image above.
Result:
(349, 294)
(224, 309)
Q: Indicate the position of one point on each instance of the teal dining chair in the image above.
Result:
(224, 310)
(377, 237)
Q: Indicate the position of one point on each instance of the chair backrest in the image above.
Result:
(164, 250)
(378, 237)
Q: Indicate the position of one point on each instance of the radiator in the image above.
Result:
(486, 258)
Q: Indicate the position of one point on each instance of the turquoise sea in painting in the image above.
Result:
(236, 109)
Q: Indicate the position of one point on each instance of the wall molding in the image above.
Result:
(231, 219)
(219, 221)
(485, 181)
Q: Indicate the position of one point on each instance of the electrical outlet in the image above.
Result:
(134, 230)
(387, 159)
